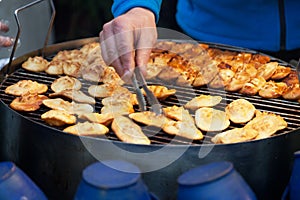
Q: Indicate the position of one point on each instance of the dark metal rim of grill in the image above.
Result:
(289, 110)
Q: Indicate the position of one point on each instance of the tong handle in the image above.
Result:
(140, 96)
(19, 28)
(155, 105)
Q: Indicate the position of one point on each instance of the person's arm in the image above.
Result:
(4, 41)
(126, 41)
(120, 7)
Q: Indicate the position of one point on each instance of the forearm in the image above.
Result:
(121, 6)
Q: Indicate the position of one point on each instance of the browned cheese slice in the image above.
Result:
(159, 60)
(209, 119)
(57, 104)
(87, 48)
(111, 76)
(234, 136)
(26, 86)
(240, 111)
(266, 124)
(260, 58)
(184, 129)
(87, 129)
(55, 67)
(272, 89)
(72, 68)
(120, 103)
(153, 70)
(238, 81)
(162, 46)
(159, 91)
(252, 87)
(291, 79)
(122, 108)
(90, 47)
(93, 71)
(58, 118)
(127, 131)
(104, 119)
(267, 70)
(187, 77)
(120, 95)
(250, 69)
(208, 72)
(181, 48)
(73, 55)
(28, 102)
(195, 50)
(281, 72)
(292, 92)
(220, 55)
(102, 91)
(222, 79)
(64, 83)
(70, 61)
(94, 67)
(178, 113)
(35, 64)
(92, 52)
(168, 74)
(203, 101)
(175, 112)
(178, 62)
(75, 95)
(71, 108)
(149, 118)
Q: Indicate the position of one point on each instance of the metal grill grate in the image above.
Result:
(289, 110)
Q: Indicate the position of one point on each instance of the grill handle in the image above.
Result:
(19, 28)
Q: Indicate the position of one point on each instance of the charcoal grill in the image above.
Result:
(287, 109)
(54, 159)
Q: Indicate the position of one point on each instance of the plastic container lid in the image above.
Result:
(205, 173)
(111, 174)
(6, 169)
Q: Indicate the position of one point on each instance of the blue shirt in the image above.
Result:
(269, 25)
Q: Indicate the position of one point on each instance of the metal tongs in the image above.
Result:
(139, 82)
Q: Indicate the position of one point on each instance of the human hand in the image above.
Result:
(127, 40)
(5, 41)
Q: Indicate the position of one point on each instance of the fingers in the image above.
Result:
(125, 48)
(143, 47)
(108, 48)
(117, 47)
(5, 41)
(126, 41)
(3, 26)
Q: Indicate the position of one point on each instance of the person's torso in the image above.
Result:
(258, 24)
